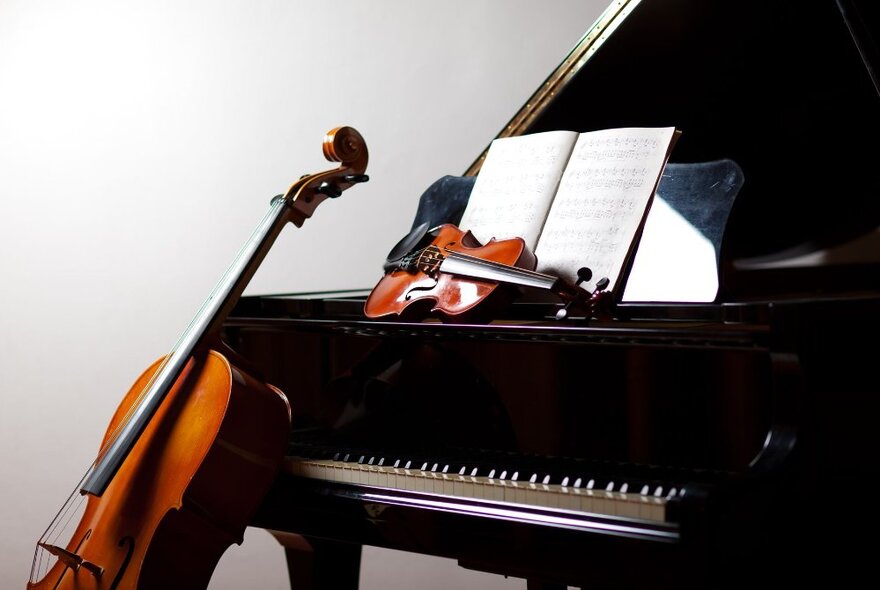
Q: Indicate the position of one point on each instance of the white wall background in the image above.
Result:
(140, 143)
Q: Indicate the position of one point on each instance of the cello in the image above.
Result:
(194, 444)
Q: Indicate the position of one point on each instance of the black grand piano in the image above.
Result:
(726, 443)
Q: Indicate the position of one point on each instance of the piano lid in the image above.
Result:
(785, 88)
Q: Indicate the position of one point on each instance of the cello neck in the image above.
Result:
(207, 321)
(342, 144)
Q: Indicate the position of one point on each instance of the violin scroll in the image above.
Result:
(595, 304)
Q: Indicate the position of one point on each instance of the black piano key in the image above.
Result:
(526, 468)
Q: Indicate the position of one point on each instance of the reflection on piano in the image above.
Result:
(678, 445)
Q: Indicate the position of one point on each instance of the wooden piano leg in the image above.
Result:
(320, 564)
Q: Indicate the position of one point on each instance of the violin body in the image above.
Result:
(426, 290)
(193, 479)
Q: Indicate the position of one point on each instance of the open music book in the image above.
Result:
(577, 199)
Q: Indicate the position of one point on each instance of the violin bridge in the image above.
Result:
(72, 560)
(429, 260)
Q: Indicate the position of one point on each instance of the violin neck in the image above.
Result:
(207, 322)
(478, 268)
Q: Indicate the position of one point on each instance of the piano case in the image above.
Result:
(677, 445)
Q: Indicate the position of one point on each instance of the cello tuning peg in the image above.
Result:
(356, 178)
(602, 284)
(329, 189)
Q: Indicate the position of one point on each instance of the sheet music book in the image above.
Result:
(577, 199)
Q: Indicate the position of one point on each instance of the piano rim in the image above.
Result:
(489, 510)
(676, 334)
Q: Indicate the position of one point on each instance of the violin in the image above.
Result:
(448, 272)
(195, 443)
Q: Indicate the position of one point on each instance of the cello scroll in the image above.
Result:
(342, 144)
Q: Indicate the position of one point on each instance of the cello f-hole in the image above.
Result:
(123, 541)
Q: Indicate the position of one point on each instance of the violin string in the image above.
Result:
(488, 263)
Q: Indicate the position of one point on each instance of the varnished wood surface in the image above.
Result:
(187, 490)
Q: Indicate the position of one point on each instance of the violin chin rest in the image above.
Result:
(418, 237)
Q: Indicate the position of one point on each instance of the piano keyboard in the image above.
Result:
(570, 494)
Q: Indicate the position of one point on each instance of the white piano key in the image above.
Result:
(532, 495)
(649, 504)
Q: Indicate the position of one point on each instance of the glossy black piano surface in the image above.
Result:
(676, 445)
(738, 437)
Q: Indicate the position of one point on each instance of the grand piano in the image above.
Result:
(674, 444)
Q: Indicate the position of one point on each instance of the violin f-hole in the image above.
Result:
(421, 287)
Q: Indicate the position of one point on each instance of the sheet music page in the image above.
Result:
(602, 200)
(515, 186)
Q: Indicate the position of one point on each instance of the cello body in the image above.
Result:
(197, 474)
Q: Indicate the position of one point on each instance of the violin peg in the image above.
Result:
(584, 274)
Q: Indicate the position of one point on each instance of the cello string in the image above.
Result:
(71, 513)
(198, 321)
(65, 526)
(60, 514)
(70, 507)
(51, 529)
(72, 510)
(194, 322)
(62, 518)
(68, 510)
